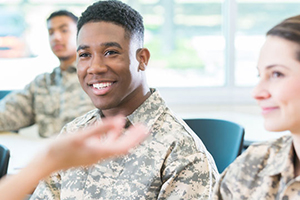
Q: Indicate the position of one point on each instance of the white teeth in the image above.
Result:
(101, 85)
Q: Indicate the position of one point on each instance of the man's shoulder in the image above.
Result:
(173, 125)
(45, 76)
(173, 129)
(182, 144)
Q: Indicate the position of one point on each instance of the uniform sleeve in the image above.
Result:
(16, 110)
(221, 191)
(190, 177)
(48, 189)
(229, 184)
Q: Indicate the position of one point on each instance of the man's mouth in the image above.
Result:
(102, 85)
(58, 47)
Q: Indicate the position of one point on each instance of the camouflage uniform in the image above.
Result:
(264, 171)
(51, 100)
(171, 164)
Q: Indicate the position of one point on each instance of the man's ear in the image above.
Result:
(143, 56)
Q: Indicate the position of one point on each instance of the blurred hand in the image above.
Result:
(96, 143)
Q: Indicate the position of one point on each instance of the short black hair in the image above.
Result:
(63, 13)
(115, 12)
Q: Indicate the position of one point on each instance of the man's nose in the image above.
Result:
(97, 65)
(56, 35)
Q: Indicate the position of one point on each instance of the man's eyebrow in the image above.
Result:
(82, 47)
(111, 44)
(106, 44)
(61, 26)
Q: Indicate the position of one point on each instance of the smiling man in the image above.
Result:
(111, 65)
(172, 163)
(52, 99)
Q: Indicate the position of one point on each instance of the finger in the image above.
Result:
(117, 131)
(121, 146)
(119, 119)
(138, 133)
(114, 124)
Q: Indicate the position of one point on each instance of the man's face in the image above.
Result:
(108, 67)
(62, 36)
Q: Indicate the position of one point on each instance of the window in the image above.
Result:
(186, 43)
(254, 19)
(26, 21)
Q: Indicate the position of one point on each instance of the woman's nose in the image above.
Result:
(260, 91)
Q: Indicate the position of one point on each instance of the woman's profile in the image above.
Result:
(271, 170)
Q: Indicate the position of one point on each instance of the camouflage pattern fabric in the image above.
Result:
(51, 100)
(264, 171)
(171, 164)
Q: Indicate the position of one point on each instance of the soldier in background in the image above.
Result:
(172, 163)
(52, 99)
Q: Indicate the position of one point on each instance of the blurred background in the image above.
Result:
(193, 43)
(203, 57)
(203, 52)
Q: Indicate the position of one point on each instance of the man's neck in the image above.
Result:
(66, 63)
(127, 109)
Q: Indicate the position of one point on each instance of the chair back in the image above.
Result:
(3, 93)
(223, 139)
(4, 159)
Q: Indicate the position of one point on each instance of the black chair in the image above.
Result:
(4, 160)
(3, 93)
(223, 139)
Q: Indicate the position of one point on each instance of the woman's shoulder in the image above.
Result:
(258, 155)
(272, 146)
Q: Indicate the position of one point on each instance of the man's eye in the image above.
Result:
(83, 55)
(109, 53)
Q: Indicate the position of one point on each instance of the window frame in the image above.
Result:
(229, 93)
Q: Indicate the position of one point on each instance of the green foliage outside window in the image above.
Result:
(183, 57)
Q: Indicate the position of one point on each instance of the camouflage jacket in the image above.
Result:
(171, 164)
(264, 171)
(51, 100)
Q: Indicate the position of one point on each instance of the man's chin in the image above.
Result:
(63, 58)
(102, 106)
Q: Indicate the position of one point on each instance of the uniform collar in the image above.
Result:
(280, 159)
(147, 113)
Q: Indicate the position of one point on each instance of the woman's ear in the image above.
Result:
(143, 56)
